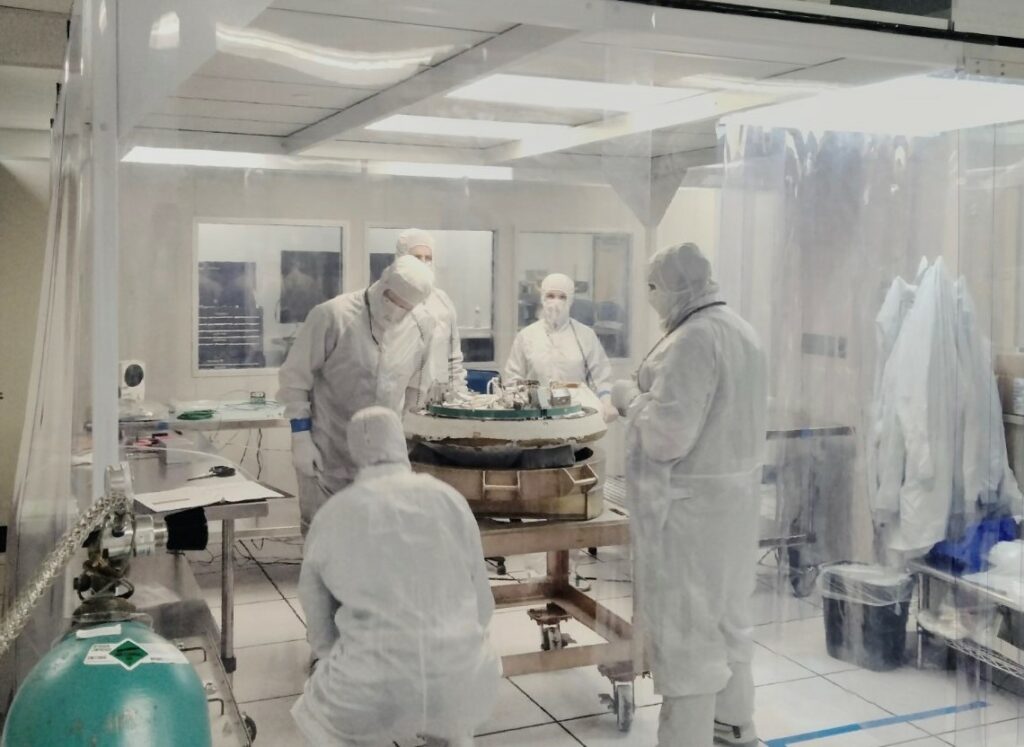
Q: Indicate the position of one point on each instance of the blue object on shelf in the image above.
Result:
(970, 553)
(477, 379)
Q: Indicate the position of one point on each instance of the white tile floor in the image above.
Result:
(800, 689)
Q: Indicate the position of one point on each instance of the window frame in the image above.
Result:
(343, 251)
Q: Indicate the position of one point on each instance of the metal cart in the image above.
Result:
(619, 658)
(971, 593)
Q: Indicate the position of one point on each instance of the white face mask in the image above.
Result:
(555, 311)
(391, 312)
(660, 301)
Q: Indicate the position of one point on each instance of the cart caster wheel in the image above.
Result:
(803, 581)
(624, 706)
(250, 726)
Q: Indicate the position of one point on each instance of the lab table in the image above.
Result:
(150, 474)
(620, 658)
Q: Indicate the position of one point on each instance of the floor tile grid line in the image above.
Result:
(872, 724)
(605, 712)
(926, 731)
(951, 734)
(892, 714)
(260, 645)
(794, 661)
(274, 584)
(546, 712)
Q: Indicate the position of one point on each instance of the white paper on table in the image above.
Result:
(220, 490)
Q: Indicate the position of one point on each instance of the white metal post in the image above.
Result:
(101, 61)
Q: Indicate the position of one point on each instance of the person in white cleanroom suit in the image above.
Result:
(444, 364)
(559, 348)
(695, 433)
(358, 349)
(397, 604)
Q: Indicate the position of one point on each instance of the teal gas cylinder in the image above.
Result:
(112, 684)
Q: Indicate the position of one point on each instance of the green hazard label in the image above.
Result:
(129, 653)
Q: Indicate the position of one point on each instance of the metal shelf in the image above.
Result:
(987, 656)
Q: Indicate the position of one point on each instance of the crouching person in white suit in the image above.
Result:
(397, 601)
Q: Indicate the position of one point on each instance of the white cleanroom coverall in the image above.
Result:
(397, 603)
(444, 363)
(695, 439)
(356, 350)
(559, 348)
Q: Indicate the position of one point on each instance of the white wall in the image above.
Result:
(24, 197)
(161, 205)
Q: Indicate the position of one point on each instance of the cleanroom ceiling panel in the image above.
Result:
(418, 13)
(405, 138)
(313, 48)
(442, 106)
(271, 92)
(297, 115)
(617, 64)
(218, 125)
(792, 52)
(851, 72)
(659, 143)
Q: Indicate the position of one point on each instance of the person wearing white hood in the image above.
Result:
(559, 348)
(444, 364)
(695, 435)
(397, 603)
(358, 349)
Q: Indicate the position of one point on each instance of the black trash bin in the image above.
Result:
(866, 610)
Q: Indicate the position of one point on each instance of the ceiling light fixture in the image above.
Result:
(485, 129)
(917, 105)
(439, 170)
(562, 93)
(273, 162)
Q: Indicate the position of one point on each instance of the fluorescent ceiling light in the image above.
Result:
(561, 93)
(439, 170)
(198, 157)
(485, 129)
(272, 162)
(916, 105)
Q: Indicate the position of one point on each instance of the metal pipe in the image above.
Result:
(51, 567)
(227, 596)
(101, 50)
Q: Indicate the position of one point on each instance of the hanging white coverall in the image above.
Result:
(695, 442)
(924, 378)
(353, 351)
(986, 476)
(885, 452)
(397, 603)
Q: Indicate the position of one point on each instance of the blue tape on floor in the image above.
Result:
(875, 724)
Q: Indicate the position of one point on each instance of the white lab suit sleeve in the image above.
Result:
(517, 367)
(417, 389)
(670, 420)
(313, 343)
(455, 362)
(318, 604)
(599, 365)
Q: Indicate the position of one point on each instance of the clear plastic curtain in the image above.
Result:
(816, 225)
(45, 497)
